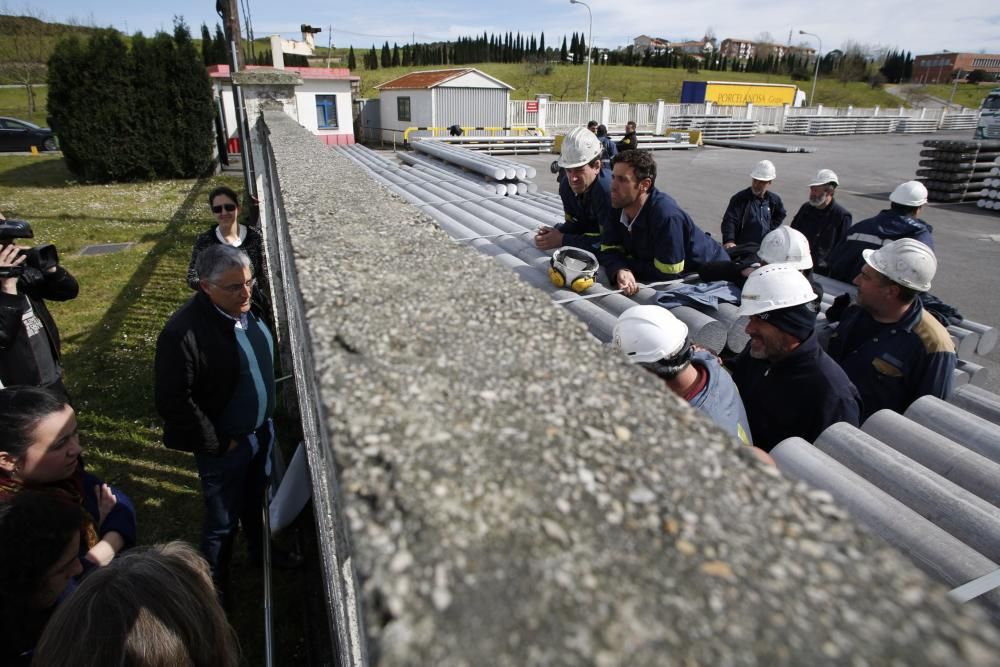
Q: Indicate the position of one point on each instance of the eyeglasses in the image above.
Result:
(229, 208)
(236, 288)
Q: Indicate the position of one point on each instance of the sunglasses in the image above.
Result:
(229, 208)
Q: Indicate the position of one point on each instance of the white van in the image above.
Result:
(989, 117)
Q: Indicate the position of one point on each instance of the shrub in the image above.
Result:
(128, 115)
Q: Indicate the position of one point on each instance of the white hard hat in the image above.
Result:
(905, 261)
(824, 176)
(649, 333)
(772, 287)
(785, 245)
(764, 171)
(579, 147)
(911, 193)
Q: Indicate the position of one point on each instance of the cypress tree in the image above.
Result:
(352, 61)
(395, 54)
(207, 45)
(541, 46)
(221, 46)
(372, 59)
(386, 57)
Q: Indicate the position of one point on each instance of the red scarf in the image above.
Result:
(69, 491)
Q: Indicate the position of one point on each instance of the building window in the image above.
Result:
(403, 108)
(326, 112)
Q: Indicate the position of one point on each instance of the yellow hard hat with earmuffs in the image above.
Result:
(573, 267)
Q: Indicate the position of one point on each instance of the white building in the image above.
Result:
(322, 102)
(441, 98)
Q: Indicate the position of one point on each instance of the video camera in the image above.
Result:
(42, 257)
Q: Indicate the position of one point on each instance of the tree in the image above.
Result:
(207, 45)
(977, 76)
(372, 61)
(125, 115)
(23, 52)
(386, 57)
(395, 54)
(221, 47)
(563, 52)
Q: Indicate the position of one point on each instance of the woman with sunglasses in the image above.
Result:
(224, 203)
(40, 451)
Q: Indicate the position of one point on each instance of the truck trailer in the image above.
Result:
(735, 93)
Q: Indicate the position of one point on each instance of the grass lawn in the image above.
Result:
(109, 336)
(966, 94)
(14, 102)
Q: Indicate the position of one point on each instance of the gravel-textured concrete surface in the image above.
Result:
(518, 495)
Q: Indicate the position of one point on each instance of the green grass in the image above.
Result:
(108, 337)
(633, 84)
(14, 102)
(967, 94)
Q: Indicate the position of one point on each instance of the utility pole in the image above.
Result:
(229, 11)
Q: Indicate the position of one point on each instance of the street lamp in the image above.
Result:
(812, 96)
(590, 46)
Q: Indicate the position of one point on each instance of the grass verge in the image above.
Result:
(109, 335)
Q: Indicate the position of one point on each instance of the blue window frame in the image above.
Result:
(326, 112)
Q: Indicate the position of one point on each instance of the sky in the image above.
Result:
(919, 26)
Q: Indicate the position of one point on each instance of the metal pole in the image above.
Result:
(590, 46)
(812, 95)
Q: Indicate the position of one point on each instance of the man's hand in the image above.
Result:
(106, 502)
(548, 238)
(626, 282)
(728, 245)
(10, 256)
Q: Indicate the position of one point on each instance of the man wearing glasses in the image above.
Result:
(214, 389)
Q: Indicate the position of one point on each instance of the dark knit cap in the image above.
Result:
(798, 321)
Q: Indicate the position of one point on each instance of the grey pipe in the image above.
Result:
(977, 374)
(932, 549)
(966, 342)
(978, 401)
(988, 336)
(437, 151)
(971, 471)
(964, 515)
(956, 424)
(463, 156)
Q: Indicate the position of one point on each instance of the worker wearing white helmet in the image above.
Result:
(823, 221)
(653, 337)
(753, 212)
(890, 346)
(790, 386)
(900, 221)
(585, 192)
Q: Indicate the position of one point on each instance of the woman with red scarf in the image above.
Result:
(40, 451)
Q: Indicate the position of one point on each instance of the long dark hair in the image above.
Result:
(21, 408)
(35, 530)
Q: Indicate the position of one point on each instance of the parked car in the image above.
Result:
(20, 135)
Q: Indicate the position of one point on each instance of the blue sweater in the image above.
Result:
(845, 260)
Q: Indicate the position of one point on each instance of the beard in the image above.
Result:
(819, 202)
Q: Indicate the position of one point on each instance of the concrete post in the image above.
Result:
(877, 107)
(708, 108)
(660, 109)
(605, 111)
(819, 109)
(748, 111)
(543, 110)
(850, 109)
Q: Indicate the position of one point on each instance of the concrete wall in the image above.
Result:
(494, 487)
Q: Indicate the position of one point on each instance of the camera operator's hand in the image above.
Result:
(10, 256)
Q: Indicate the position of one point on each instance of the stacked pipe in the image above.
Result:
(500, 145)
(989, 198)
(917, 125)
(956, 171)
(496, 169)
(927, 482)
(839, 125)
(960, 121)
(715, 127)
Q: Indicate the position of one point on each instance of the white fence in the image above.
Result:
(656, 117)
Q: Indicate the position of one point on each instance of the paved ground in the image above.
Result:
(967, 238)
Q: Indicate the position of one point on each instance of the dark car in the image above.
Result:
(20, 135)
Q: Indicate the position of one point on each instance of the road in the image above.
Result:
(967, 238)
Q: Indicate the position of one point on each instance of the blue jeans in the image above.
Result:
(232, 486)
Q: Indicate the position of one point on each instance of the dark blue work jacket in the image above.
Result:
(585, 213)
(893, 365)
(845, 260)
(749, 217)
(660, 243)
(798, 396)
(824, 228)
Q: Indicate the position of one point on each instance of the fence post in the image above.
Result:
(659, 118)
(708, 108)
(781, 119)
(923, 112)
(819, 109)
(748, 111)
(543, 109)
(605, 111)
(850, 109)
(876, 110)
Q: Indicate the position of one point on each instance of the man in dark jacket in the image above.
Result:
(790, 387)
(29, 339)
(630, 141)
(753, 212)
(823, 221)
(214, 388)
(585, 192)
(893, 350)
(650, 238)
(899, 221)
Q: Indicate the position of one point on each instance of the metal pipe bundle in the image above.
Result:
(934, 550)
(980, 402)
(954, 423)
(489, 165)
(963, 514)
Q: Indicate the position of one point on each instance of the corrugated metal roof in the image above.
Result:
(431, 78)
